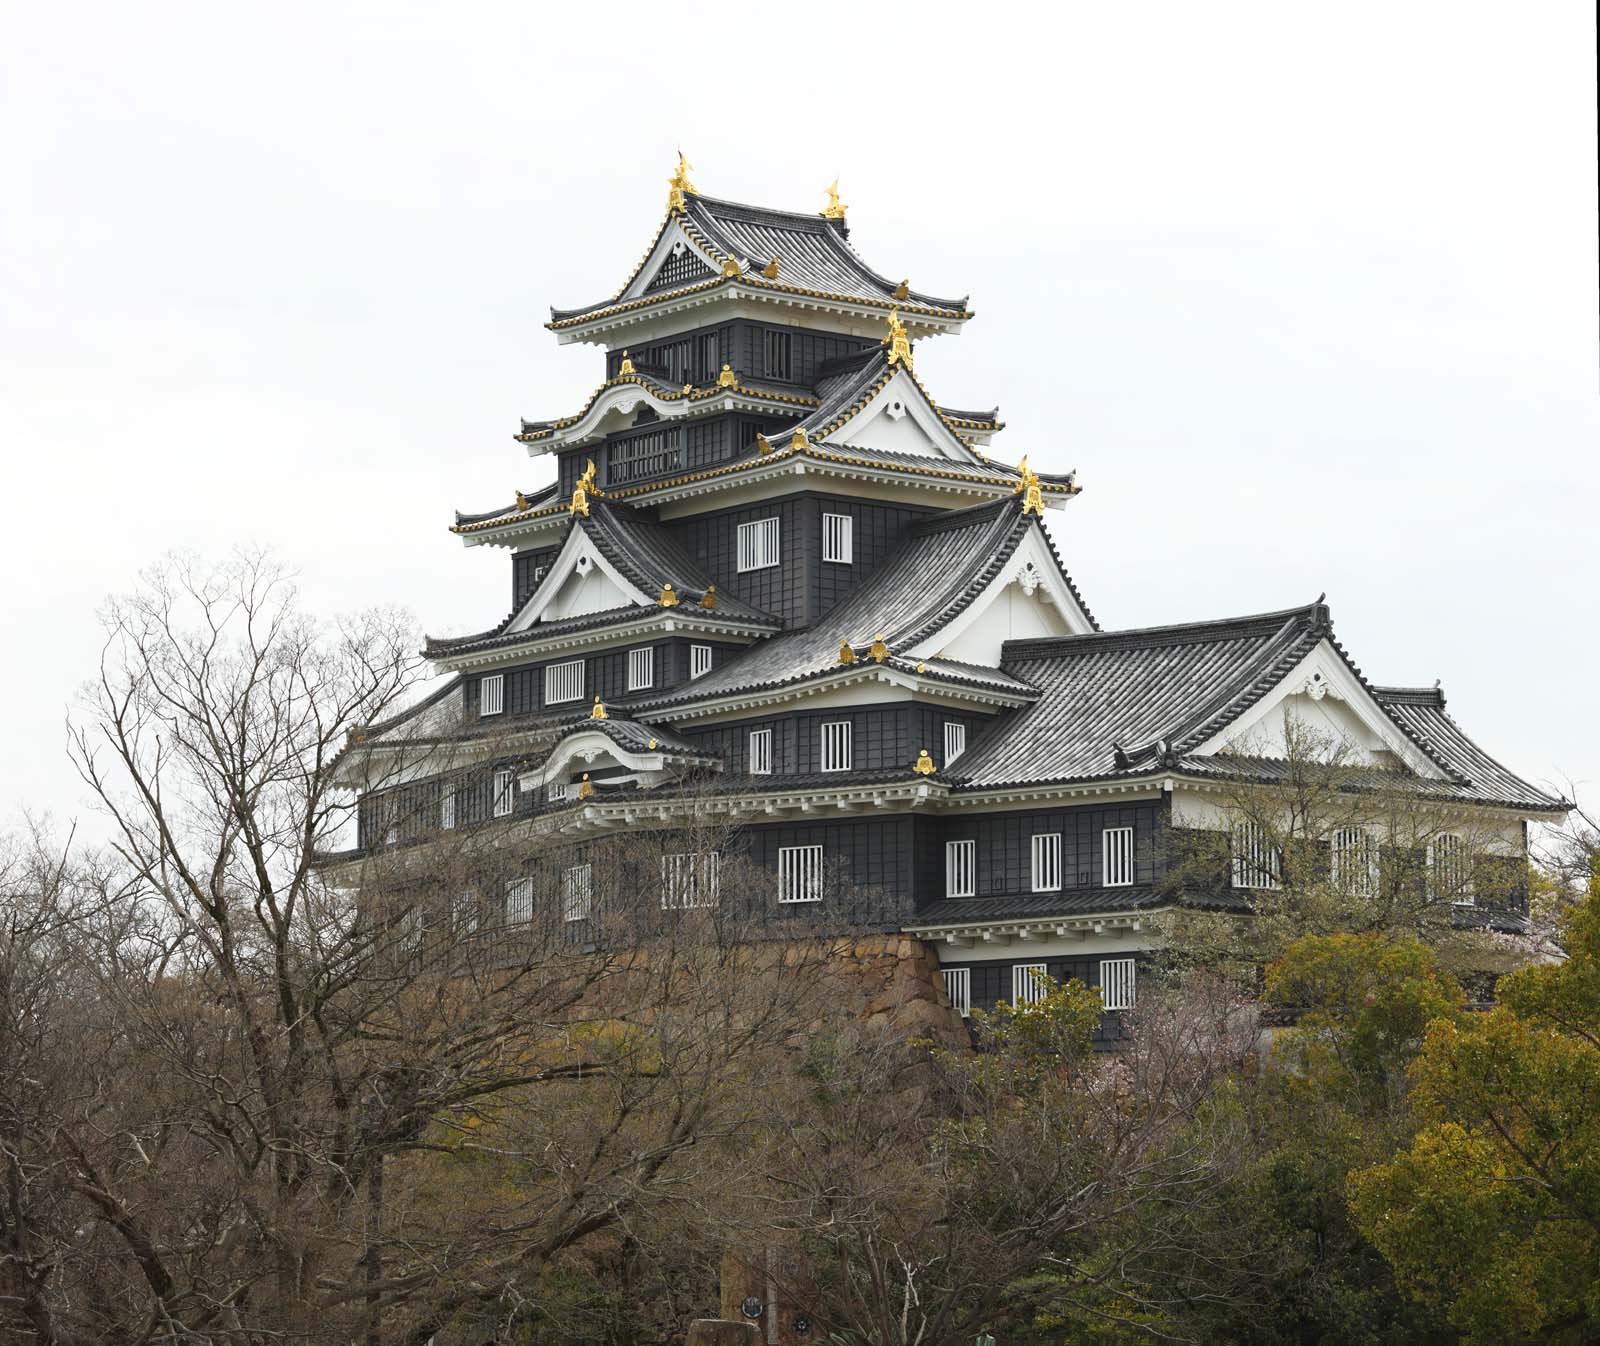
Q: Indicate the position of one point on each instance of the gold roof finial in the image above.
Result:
(763, 444)
(834, 210)
(582, 490)
(924, 764)
(523, 502)
(584, 788)
(679, 184)
(1029, 489)
(599, 711)
(709, 601)
(669, 595)
(727, 379)
(879, 650)
(798, 439)
(846, 654)
(902, 291)
(770, 270)
(898, 343)
(626, 367)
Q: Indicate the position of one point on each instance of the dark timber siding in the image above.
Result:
(524, 565)
(867, 860)
(876, 531)
(604, 674)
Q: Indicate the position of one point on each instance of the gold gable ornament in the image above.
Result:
(898, 343)
(709, 602)
(727, 379)
(626, 367)
(599, 711)
(770, 270)
(1029, 489)
(679, 185)
(798, 439)
(669, 596)
(846, 654)
(732, 269)
(902, 291)
(584, 788)
(835, 208)
(879, 650)
(924, 764)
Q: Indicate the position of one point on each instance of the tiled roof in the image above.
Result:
(976, 911)
(636, 737)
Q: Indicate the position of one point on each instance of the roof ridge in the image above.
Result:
(1419, 696)
(1178, 633)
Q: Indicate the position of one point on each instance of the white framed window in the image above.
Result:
(836, 745)
(1118, 983)
(447, 807)
(800, 873)
(519, 901)
(699, 660)
(1046, 850)
(838, 538)
(576, 894)
(492, 694)
(758, 544)
(1355, 861)
(955, 740)
(1029, 983)
(761, 752)
(641, 668)
(505, 787)
(960, 868)
(466, 912)
(1256, 862)
(1450, 869)
(563, 682)
(1116, 857)
(558, 791)
(958, 986)
(688, 880)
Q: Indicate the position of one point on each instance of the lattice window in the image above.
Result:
(960, 868)
(505, 788)
(1116, 857)
(519, 901)
(680, 268)
(1450, 869)
(563, 682)
(836, 745)
(1046, 862)
(492, 694)
(1355, 861)
(800, 873)
(1030, 983)
(1256, 861)
(447, 807)
(958, 986)
(761, 752)
(777, 350)
(576, 893)
(1118, 983)
(688, 879)
(838, 538)
(648, 454)
(641, 668)
(699, 660)
(955, 741)
(759, 544)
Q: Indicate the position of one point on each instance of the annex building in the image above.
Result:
(775, 573)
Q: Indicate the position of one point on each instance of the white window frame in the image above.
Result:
(1045, 862)
(1119, 983)
(760, 752)
(1354, 861)
(1026, 989)
(689, 879)
(519, 900)
(961, 868)
(447, 807)
(1257, 863)
(760, 544)
(560, 678)
(1450, 874)
(699, 660)
(466, 912)
(955, 741)
(491, 694)
(641, 668)
(505, 793)
(558, 791)
(577, 892)
(1116, 857)
(958, 987)
(838, 539)
(799, 874)
(834, 752)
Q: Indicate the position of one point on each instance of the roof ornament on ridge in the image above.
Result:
(669, 595)
(835, 208)
(599, 711)
(582, 490)
(1029, 489)
(924, 764)
(898, 343)
(679, 184)
(626, 367)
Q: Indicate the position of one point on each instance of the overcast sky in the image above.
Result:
(1307, 294)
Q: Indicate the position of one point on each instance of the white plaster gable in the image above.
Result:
(900, 419)
(592, 749)
(617, 408)
(1323, 695)
(580, 581)
(1027, 599)
(673, 243)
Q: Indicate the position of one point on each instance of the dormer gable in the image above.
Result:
(899, 417)
(580, 581)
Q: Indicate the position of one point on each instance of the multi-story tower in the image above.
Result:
(774, 571)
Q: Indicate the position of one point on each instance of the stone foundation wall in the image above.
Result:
(893, 982)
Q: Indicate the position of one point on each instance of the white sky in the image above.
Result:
(1307, 294)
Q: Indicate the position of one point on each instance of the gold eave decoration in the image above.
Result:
(879, 651)
(835, 208)
(1029, 489)
(898, 343)
(523, 503)
(731, 268)
(652, 744)
(924, 764)
(763, 444)
(626, 367)
(770, 270)
(727, 379)
(903, 290)
(669, 596)
(584, 788)
(709, 602)
(798, 439)
(846, 654)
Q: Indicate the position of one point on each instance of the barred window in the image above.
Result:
(958, 986)
(641, 668)
(836, 745)
(492, 694)
(800, 873)
(504, 792)
(758, 544)
(563, 682)
(1450, 869)
(1117, 983)
(1256, 862)
(558, 791)
(699, 660)
(955, 740)
(960, 868)
(761, 752)
(575, 893)
(1116, 857)
(519, 901)
(1030, 983)
(1046, 862)
(688, 880)
(837, 538)
(777, 346)
(447, 807)
(1355, 861)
